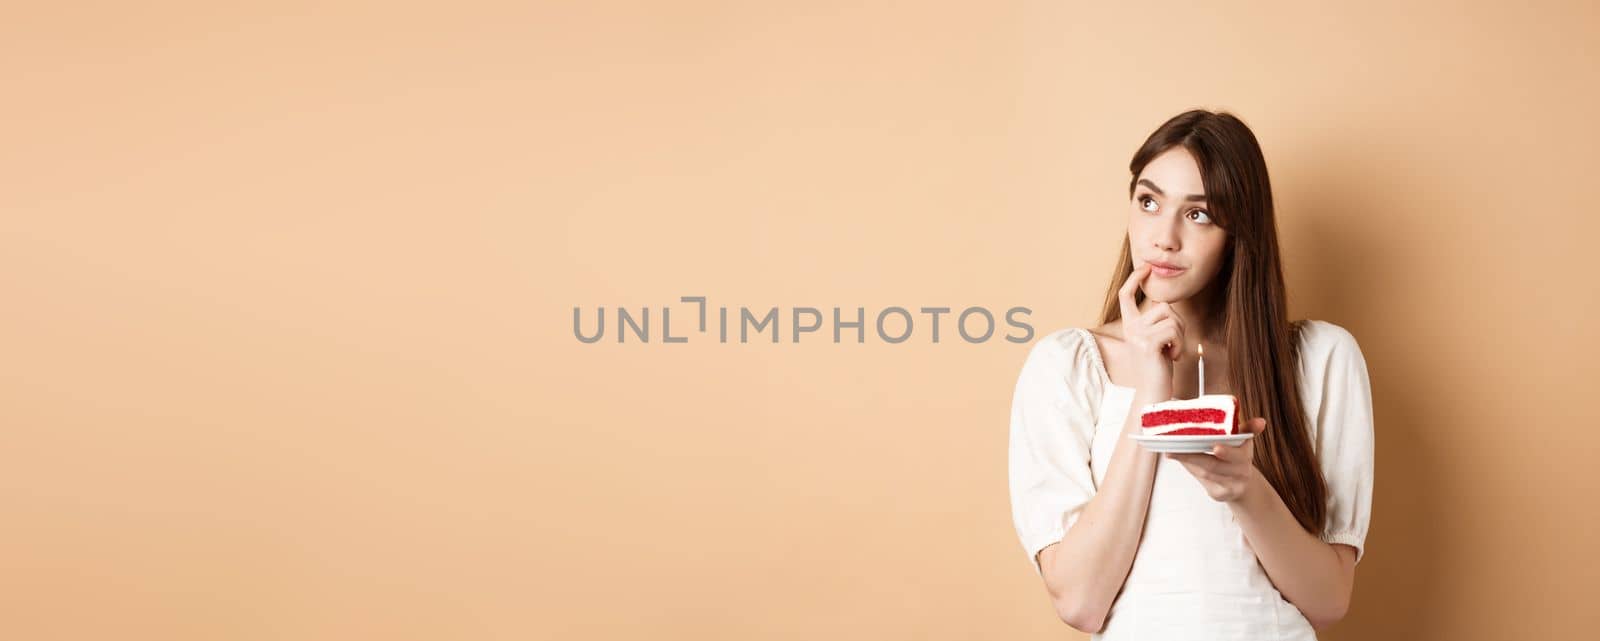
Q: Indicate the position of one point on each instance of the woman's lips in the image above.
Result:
(1165, 272)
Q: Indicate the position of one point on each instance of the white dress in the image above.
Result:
(1194, 575)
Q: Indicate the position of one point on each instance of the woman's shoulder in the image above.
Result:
(1063, 342)
(1322, 342)
(1066, 362)
(1323, 335)
(1068, 349)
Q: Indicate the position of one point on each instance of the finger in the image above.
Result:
(1165, 329)
(1125, 295)
(1175, 314)
(1197, 468)
(1229, 453)
(1183, 327)
(1156, 313)
(1198, 462)
(1165, 334)
(1170, 334)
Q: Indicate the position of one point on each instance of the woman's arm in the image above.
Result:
(1085, 571)
(1316, 576)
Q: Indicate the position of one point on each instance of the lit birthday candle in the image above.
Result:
(1202, 348)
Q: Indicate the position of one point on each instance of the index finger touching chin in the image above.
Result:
(1125, 295)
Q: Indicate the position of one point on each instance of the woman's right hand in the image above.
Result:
(1156, 335)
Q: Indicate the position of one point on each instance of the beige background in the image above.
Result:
(288, 291)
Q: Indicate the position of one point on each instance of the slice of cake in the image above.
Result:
(1211, 415)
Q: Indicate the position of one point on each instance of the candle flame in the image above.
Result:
(1202, 347)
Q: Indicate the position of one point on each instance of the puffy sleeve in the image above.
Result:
(1344, 436)
(1052, 426)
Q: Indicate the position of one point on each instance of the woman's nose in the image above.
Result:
(1164, 234)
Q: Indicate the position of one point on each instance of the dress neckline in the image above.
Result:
(1099, 361)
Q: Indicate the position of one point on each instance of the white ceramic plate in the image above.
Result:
(1188, 442)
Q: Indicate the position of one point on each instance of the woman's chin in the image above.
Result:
(1163, 295)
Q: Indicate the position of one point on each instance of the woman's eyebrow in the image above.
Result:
(1194, 197)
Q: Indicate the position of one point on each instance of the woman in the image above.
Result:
(1254, 541)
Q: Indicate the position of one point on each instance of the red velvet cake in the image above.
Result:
(1209, 415)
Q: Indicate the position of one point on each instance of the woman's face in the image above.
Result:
(1170, 224)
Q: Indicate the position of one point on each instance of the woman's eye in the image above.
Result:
(1147, 203)
(1204, 215)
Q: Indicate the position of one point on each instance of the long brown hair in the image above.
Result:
(1263, 346)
